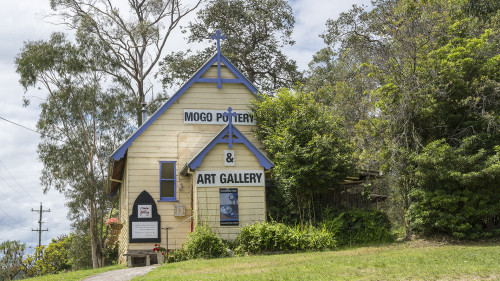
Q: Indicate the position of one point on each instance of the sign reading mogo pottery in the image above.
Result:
(230, 178)
(216, 117)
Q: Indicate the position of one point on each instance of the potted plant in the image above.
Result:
(115, 225)
(112, 240)
(160, 253)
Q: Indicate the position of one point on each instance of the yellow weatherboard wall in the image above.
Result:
(169, 138)
(251, 199)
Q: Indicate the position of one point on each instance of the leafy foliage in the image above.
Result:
(11, 260)
(355, 227)
(277, 237)
(429, 71)
(134, 36)
(81, 123)
(458, 190)
(79, 252)
(256, 31)
(49, 260)
(204, 243)
(307, 144)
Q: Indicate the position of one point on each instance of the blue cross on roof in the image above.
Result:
(217, 36)
(229, 114)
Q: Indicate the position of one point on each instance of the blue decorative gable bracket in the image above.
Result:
(229, 116)
(217, 36)
(221, 138)
(120, 152)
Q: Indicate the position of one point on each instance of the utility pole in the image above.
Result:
(40, 230)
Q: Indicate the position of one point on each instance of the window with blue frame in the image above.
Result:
(167, 180)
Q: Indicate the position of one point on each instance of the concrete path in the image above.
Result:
(121, 274)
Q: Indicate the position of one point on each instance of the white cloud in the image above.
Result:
(22, 21)
(311, 17)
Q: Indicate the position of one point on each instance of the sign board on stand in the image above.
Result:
(144, 221)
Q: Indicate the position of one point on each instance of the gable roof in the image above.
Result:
(240, 78)
(220, 138)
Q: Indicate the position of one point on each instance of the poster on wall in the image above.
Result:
(229, 206)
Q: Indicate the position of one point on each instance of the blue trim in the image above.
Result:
(263, 160)
(238, 74)
(113, 194)
(174, 198)
(214, 80)
(229, 116)
(120, 152)
(218, 36)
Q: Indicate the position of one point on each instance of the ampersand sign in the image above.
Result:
(229, 157)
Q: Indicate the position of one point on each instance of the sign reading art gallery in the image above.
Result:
(230, 178)
(216, 117)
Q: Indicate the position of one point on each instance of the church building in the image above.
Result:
(195, 160)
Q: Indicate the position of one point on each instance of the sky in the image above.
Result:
(20, 190)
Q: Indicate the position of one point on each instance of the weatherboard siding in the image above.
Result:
(169, 139)
(212, 72)
(249, 212)
(123, 237)
(251, 199)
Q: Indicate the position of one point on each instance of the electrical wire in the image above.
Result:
(19, 125)
(29, 195)
(13, 189)
(29, 129)
(5, 213)
(14, 227)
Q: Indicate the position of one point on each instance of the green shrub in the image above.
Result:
(276, 237)
(456, 190)
(203, 243)
(177, 255)
(359, 226)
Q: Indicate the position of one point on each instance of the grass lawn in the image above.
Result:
(416, 260)
(78, 275)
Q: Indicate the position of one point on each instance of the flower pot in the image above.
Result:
(116, 226)
(112, 240)
(160, 258)
(115, 232)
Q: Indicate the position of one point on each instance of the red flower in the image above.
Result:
(163, 253)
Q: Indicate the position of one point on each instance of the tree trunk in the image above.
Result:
(93, 240)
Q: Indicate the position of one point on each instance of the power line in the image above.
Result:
(19, 125)
(14, 227)
(15, 220)
(29, 129)
(13, 188)
(29, 195)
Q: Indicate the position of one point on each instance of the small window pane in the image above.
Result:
(167, 170)
(167, 188)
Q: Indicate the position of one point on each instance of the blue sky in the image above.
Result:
(20, 190)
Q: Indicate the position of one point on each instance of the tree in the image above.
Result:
(11, 260)
(50, 259)
(307, 144)
(433, 67)
(135, 39)
(79, 252)
(80, 124)
(457, 191)
(255, 30)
